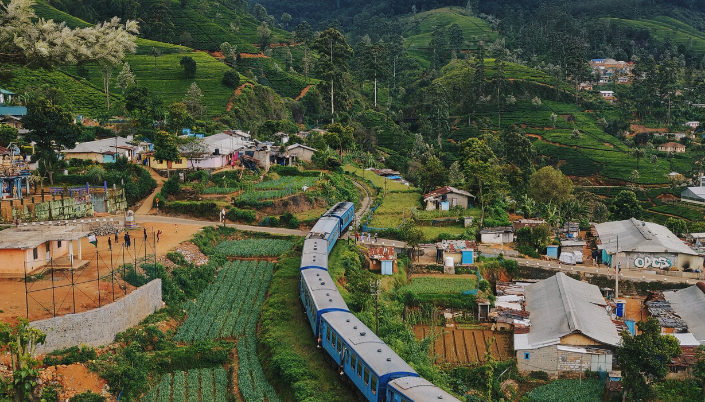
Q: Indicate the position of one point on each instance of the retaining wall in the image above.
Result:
(99, 326)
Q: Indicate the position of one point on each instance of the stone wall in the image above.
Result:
(541, 359)
(99, 326)
(34, 210)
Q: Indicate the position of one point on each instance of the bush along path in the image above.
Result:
(147, 203)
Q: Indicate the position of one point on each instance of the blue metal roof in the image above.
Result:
(13, 110)
(6, 92)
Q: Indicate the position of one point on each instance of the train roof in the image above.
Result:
(315, 253)
(322, 289)
(323, 228)
(379, 357)
(420, 389)
(339, 209)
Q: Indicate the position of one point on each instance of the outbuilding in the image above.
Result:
(571, 329)
(447, 197)
(498, 235)
(633, 243)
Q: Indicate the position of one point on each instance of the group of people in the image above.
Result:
(360, 237)
(128, 238)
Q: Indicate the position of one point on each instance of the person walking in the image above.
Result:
(176, 228)
(127, 240)
(368, 237)
(159, 232)
(117, 240)
(145, 234)
(375, 237)
(110, 244)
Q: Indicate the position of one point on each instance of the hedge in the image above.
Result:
(245, 215)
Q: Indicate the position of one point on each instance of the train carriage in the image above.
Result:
(319, 295)
(416, 389)
(315, 254)
(344, 211)
(328, 229)
(363, 356)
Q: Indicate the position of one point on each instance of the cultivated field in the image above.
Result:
(465, 346)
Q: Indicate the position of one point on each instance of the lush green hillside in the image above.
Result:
(81, 96)
(666, 29)
(419, 29)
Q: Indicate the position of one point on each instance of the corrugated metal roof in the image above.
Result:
(419, 389)
(13, 110)
(698, 191)
(560, 306)
(639, 236)
(689, 303)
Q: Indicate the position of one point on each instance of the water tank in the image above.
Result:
(620, 307)
(449, 262)
(217, 152)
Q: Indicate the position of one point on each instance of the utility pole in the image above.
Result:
(375, 288)
(616, 272)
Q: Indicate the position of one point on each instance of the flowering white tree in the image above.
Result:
(24, 38)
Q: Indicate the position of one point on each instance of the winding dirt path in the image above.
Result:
(303, 92)
(236, 93)
(147, 203)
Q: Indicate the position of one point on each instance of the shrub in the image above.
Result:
(87, 396)
(245, 215)
(527, 250)
(176, 258)
(172, 186)
(539, 375)
(70, 356)
(231, 79)
(194, 208)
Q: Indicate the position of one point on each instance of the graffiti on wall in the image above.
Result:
(654, 261)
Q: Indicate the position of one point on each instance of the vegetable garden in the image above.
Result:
(588, 390)
(253, 247)
(440, 285)
(204, 385)
(230, 305)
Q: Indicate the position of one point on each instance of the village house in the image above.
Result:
(608, 96)
(461, 251)
(521, 223)
(571, 329)
(106, 150)
(447, 197)
(692, 124)
(30, 247)
(638, 244)
(223, 149)
(298, 152)
(498, 235)
(672, 147)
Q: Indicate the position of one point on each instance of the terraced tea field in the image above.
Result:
(465, 346)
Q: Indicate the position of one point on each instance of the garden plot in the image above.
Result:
(465, 346)
(253, 248)
(200, 385)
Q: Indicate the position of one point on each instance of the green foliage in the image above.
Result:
(70, 355)
(87, 396)
(254, 247)
(210, 383)
(252, 382)
(244, 215)
(677, 226)
(587, 390)
(625, 206)
(231, 79)
(172, 186)
(451, 284)
(189, 66)
(202, 209)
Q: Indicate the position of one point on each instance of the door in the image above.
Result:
(48, 250)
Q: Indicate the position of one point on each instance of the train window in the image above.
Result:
(333, 338)
(359, 368)
(328, 331)
(373, 385)
(353, 360)
(366, 377)
(390, 395)
(339, 345)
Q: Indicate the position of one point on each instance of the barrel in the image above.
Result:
(449, 262)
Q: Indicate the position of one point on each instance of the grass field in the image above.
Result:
(394, 208)
(432, 232)
(451, 284)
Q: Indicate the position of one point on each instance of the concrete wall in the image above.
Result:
(99, 327)
(543, 359)
(553, 360)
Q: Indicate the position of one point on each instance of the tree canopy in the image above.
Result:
(550, 185)
(626, 206)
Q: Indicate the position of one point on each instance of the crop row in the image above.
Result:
(441, 285)
(286, 182)
(204, 385)
(230, 305)
(250, 378)
(253, 247)
(268, 194)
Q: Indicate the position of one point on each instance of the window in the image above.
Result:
(35, 253)
(366, 377)
(333, 338)
(48, 246)
(353, 360)
(527, 355)
(58, 243)
(339, 345)
(359, 368)
(373, 385)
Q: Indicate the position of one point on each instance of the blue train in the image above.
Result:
(372, 366)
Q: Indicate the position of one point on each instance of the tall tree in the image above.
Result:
(179, 117)
(373, 60)
(625, 206)
(518, 151)
(166, 148)
(51, 128)
(550, 185)
(484, 174)
(439, 112)
(189, 66)
(192, 100)
(644, 358)
(126, 78)
(304, 35)
(433, 175)
(193, 149)
(332, 65)
(264, 34)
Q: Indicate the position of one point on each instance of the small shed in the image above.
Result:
(383, 258)
(498, 235)
(447, 197)
(461, 251)
(552, 251)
